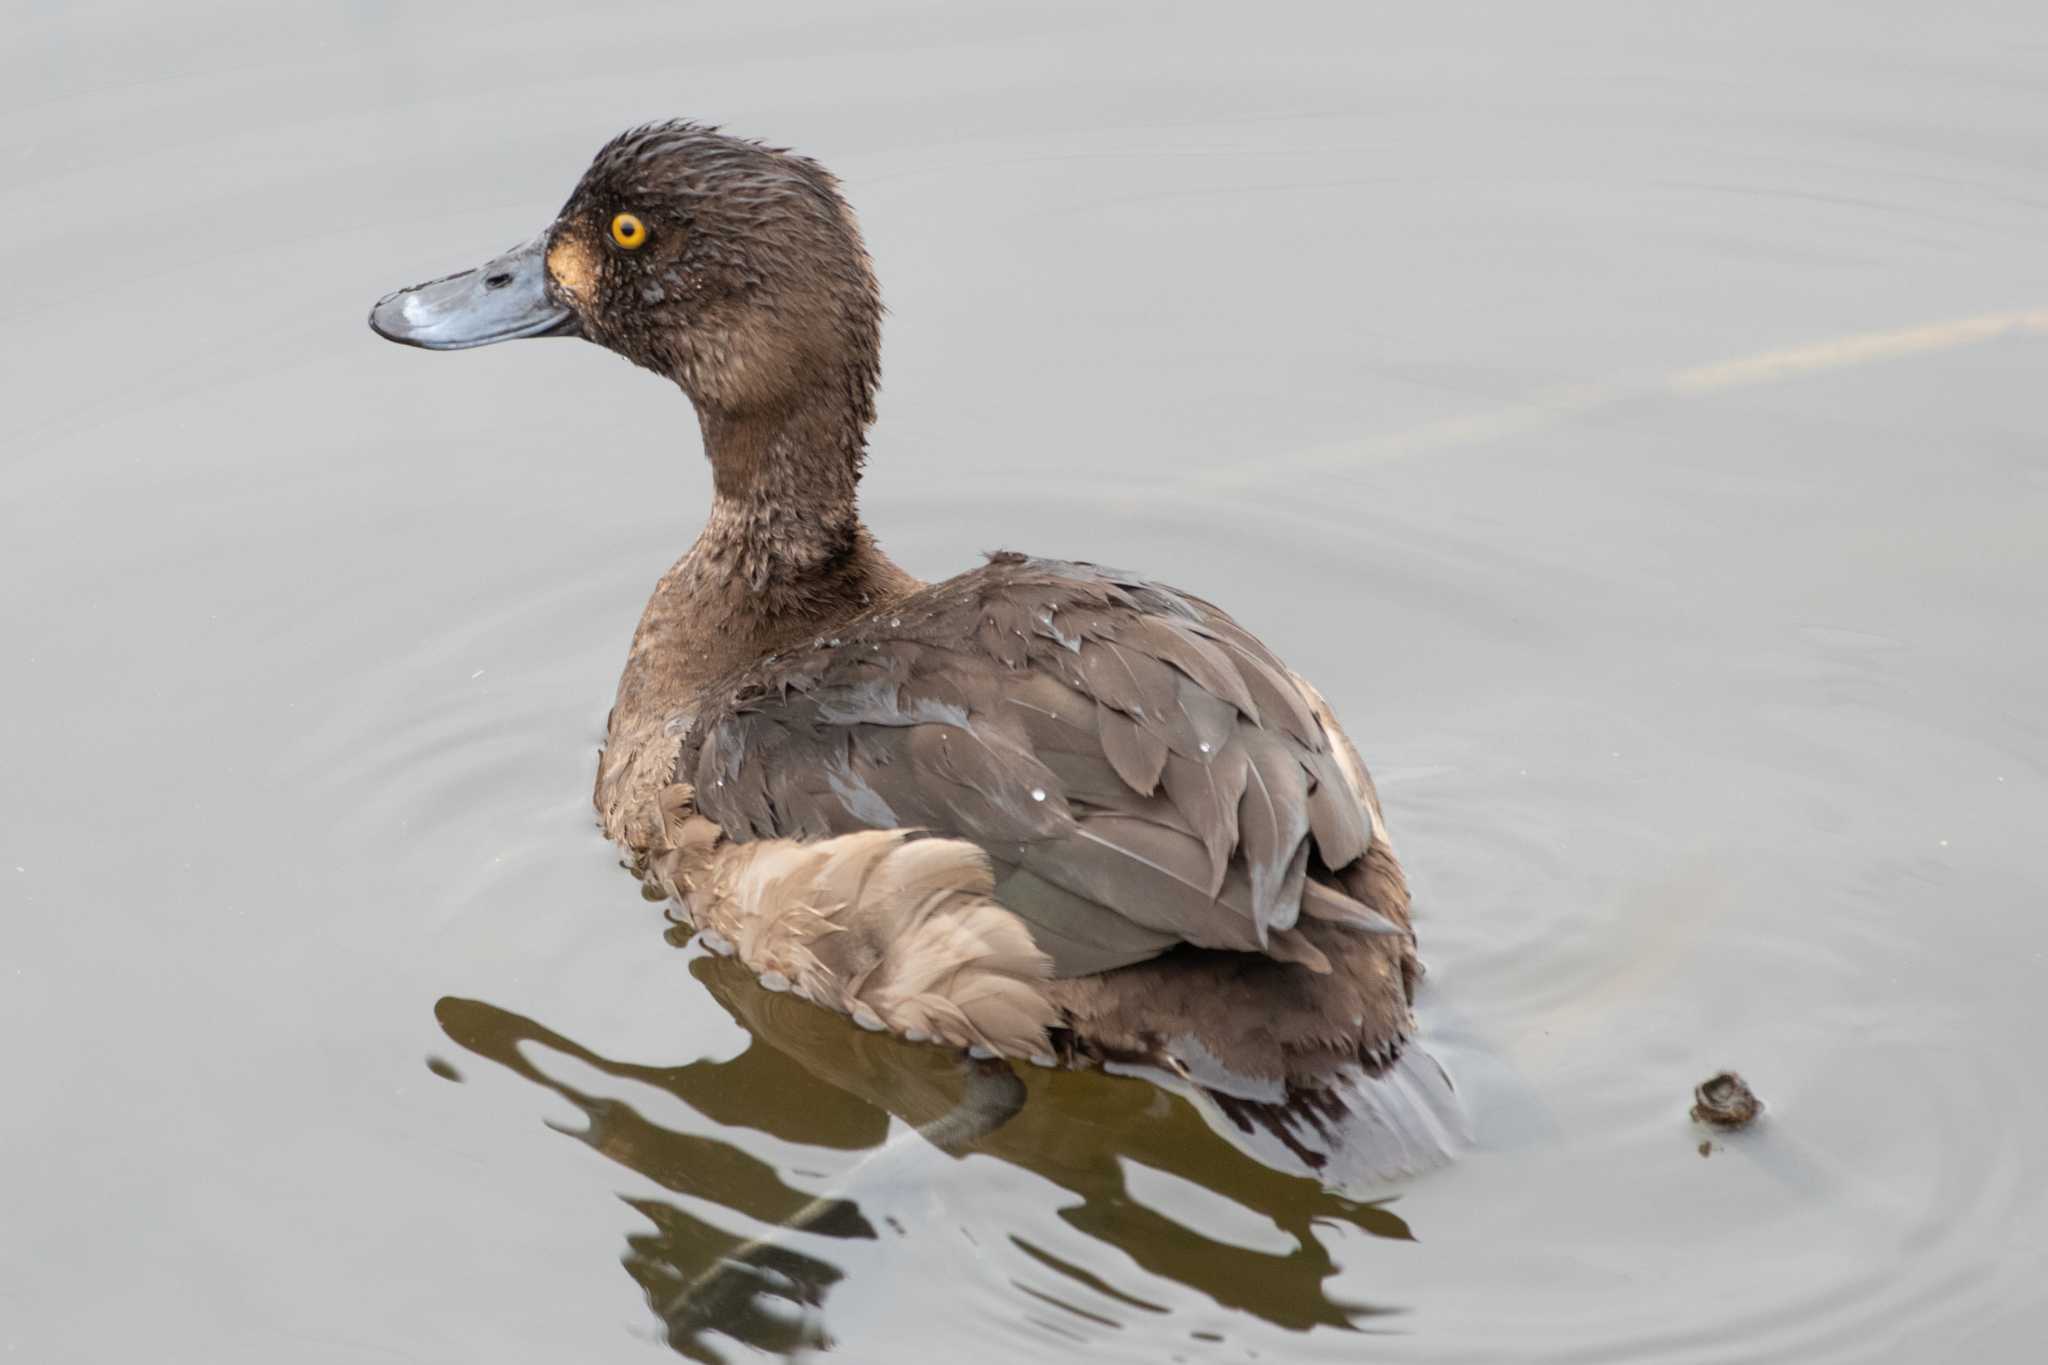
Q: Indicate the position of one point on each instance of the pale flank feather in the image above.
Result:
(896, 930)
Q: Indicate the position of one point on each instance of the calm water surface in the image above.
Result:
(1633, 422)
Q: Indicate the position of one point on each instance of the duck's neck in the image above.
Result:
(782, 556)
(784, 509)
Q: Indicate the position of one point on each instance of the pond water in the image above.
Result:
(1632, 421)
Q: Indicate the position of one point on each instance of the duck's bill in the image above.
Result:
(500, 300)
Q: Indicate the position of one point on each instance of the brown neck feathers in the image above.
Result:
(782, 556)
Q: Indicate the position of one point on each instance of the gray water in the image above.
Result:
(1630, 417)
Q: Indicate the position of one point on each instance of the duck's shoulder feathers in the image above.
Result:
(1140, 771)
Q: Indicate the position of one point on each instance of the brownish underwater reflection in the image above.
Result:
(810, 1078)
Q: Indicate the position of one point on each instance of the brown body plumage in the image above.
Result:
(1044, 809)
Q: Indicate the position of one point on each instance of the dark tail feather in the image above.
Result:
(1359, 1127)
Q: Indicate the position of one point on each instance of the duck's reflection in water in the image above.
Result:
(809, 1078)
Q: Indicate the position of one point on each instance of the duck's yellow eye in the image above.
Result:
(628, 231)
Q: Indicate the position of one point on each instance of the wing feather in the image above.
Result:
(1140, 771)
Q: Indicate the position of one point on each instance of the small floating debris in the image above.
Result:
(443, 1068)
(1726, 1101)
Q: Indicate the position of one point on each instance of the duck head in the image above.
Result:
(733, 268)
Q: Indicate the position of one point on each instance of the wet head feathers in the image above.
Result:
(753, 288)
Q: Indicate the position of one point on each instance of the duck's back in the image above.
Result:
(1052, 808)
